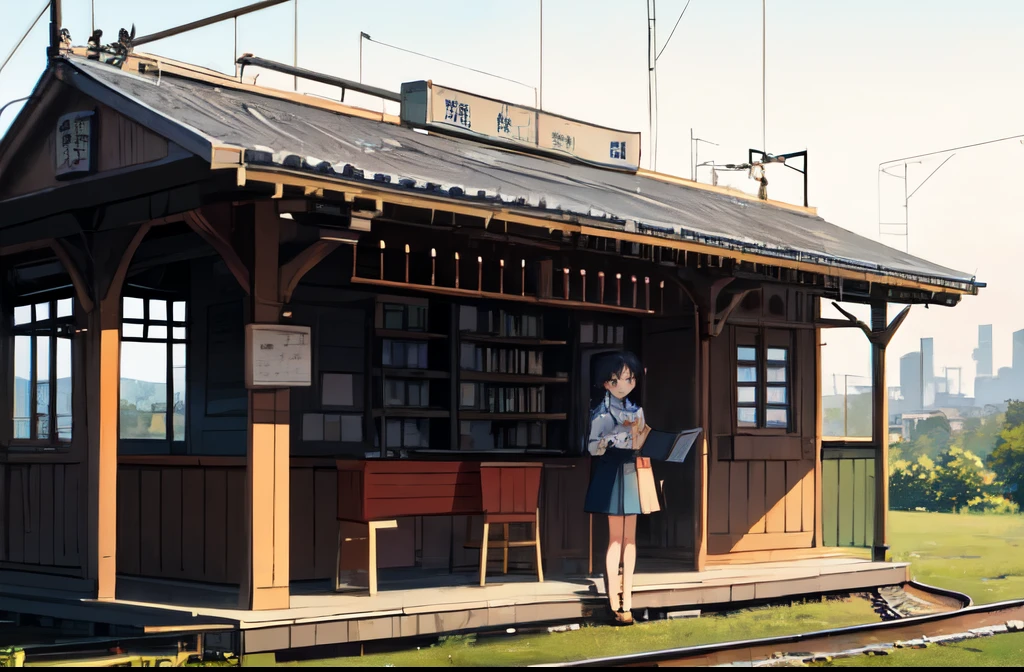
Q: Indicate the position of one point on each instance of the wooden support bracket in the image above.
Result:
(64, 254)
(719, 320)
(292, 272)
(219, 239)
(879, 338)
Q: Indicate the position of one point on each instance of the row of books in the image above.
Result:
(501, 399)
(499, 323)
(500, 360)
(489, 436)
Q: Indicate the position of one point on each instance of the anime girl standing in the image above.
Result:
(616, 425)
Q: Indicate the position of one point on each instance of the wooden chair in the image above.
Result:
(510, 493)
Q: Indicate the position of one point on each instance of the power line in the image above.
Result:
(764, 86)
(951, 149)
(441, 60)
(673, 30)
(30, 28)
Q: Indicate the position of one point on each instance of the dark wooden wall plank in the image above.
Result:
(149, 522)
(18, 497)
(128, 521)
(59, 554)
(32, 532)
(47, 534)
(170, 522)
(214, 535)
(193, 524)
(302, 525)
(237, 552)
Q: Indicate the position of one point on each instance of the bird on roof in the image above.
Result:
(94, 44)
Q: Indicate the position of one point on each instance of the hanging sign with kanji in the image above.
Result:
(74, 144)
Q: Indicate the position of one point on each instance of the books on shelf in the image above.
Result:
(502, 398)
(498, 322)
(473, 357)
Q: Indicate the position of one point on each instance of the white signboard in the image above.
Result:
(277, 355)
(74, 144)
(425, 104)
(483, 116)
(587, 142)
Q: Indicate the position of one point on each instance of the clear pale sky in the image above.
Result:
(853, 83)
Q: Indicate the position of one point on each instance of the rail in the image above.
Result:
(970, 620)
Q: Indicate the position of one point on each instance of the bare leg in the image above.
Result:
(616, 528)
(628, 561)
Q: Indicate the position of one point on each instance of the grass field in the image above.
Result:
(973, 554)
(977, 555)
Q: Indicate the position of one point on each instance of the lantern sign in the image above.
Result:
(74, 141)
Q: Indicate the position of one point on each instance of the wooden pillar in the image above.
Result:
(112, 253)
(103, 340)
(818, 478)
(880, 431)
(700, 469)
(267, 504)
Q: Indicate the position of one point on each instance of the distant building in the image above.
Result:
(911, 420)
(983, 353)
(910, 382)
(927, 372)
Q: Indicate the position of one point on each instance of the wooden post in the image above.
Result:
(267, 506)
(700, 490)
(104, 347)
(112, 253)
(818, 411)
(880, 432)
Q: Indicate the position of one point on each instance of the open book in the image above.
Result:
(669, 446)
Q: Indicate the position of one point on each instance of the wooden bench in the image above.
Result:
(375, 493)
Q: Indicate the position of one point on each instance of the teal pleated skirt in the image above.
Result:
(614, 489)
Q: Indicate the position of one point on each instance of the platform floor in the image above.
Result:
(410, 603)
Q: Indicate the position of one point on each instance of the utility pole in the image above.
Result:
(55, 20)
(652, 65)
(540, 105)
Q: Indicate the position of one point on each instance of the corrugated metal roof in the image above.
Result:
(291, 135)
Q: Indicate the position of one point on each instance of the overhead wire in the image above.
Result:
(30, 29)
(441, 60)
(673, 32)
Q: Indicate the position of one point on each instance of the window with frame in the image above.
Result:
(763, 374)
(42, 381)
(154, 345)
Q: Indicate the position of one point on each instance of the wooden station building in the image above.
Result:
(241, 328)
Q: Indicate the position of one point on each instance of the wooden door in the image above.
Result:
(761, 485)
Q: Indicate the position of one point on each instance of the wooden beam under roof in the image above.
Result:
(587, 226)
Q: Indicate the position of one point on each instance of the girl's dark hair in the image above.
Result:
(610, 364)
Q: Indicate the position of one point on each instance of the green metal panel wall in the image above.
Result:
(848, 502)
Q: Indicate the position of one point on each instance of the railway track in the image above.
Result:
(968, 620)
(904, 610)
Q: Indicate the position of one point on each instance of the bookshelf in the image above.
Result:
(512, 374)
(411, 375)
(450, 376)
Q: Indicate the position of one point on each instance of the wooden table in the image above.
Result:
(375, 493)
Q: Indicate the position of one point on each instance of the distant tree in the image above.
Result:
(1014, 414)
(959, 478)
(1007, 460)
(979, 435)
